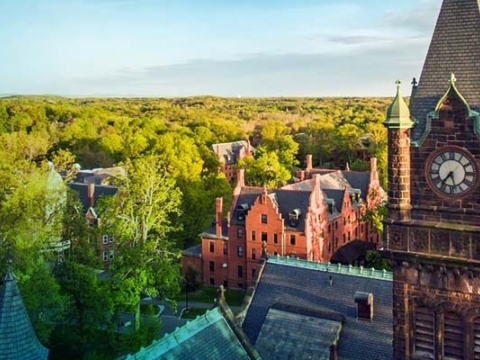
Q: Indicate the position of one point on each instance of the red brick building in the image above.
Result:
(312, 219)
(229, 153)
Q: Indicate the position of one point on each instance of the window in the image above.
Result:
(264, 218)
(253, 273)
(336, 225)
(424, 342)
(275, 239)
(253, 235)
(111, 254)
(212, 281)
(240, 251)
(105, 239)
(264, 236)
(344, 238)
(212, 246)
(329, 228)
(476, 337)
(212, 266)
(111, 238)
(454, 336)
(240, 272)
(292, 240)
(105, 256)
(225, 249)
(239, 232)
(254, 254)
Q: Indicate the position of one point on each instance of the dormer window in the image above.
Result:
(330, 206)
(242, 211)
(294, 217)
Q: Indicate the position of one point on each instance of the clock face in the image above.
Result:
(452, 171)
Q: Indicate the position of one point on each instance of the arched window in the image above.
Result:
(424, 325)
(453, 337)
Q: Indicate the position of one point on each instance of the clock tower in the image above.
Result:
(432, 231)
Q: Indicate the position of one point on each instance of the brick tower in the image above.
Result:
(432, 231)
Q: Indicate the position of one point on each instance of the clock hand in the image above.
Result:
(449, 175)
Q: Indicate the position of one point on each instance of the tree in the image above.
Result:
(140, 217)
(264, 169)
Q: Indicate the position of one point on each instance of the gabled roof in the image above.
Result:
(228, 152)
(100, 190)
(454, 48)
(18, 340)
(207, 337)
(300, 284)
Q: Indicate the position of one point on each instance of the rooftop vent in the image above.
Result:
(364, 303)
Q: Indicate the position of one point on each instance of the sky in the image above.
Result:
(234, 48)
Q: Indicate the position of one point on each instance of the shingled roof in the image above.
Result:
(18, 340)
(207, 337)
(100, 190)
(454, 48)
(303, 288)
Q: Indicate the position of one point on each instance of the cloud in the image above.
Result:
(359, 73)
(420, 19)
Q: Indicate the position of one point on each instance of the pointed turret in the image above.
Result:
(17, 337)
(398, 123)
(455, 48)
(398, 113)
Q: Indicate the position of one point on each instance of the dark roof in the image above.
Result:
(454, 48)
(18, 340)
(352, 251)
(305, 284)
(193, 251)
(248, 195)
(207, 337)
(228, 152)
(336, 195)
(100, 190)
(289, 200)
(212, 231)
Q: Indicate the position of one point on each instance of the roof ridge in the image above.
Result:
(332, 268)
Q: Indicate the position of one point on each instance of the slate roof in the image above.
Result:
(337, 180)
(454, 48)
(228, 152)
(207, 337)
(283, 331)
(304, 284)
(100, 190)
(18, 340)
(193, 251)
(212, 231)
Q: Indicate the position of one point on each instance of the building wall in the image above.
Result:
(215, 262)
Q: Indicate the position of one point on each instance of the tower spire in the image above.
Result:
(454, 49)
(17, 337)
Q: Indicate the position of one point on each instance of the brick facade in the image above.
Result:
(432, 238)
(301, 220)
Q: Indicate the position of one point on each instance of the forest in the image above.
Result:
(164, 203)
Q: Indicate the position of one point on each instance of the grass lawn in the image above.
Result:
(208, 294)
(192, 313)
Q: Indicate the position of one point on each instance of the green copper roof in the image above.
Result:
(333, 268)
(398, 114)
(207, 337)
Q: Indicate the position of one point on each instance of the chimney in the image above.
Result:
(218, 216)
(308, 161)
(364, 303)
(240, 182)
(316, 182)
(91, 194)
(248, 146)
